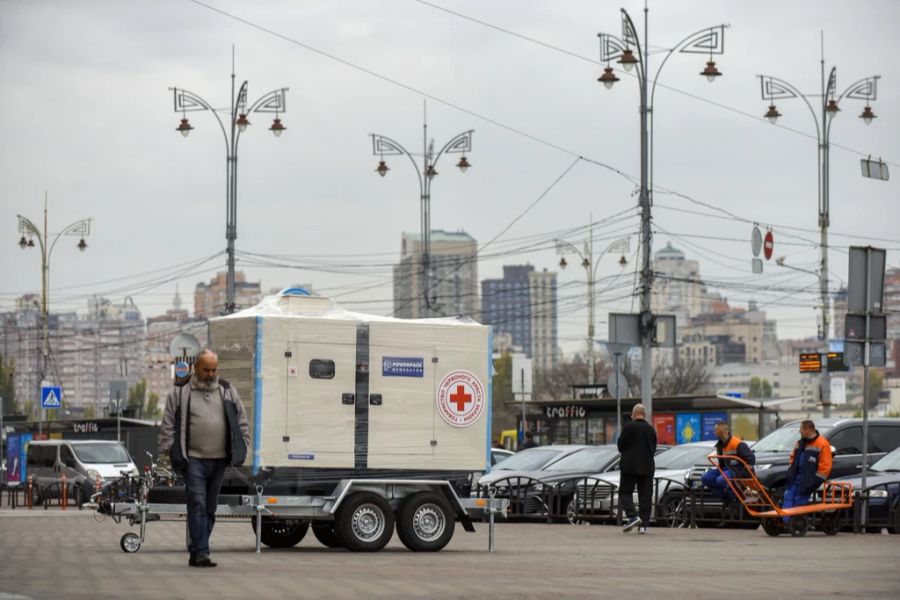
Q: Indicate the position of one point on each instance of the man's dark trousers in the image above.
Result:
(644, 484)
(202, 480)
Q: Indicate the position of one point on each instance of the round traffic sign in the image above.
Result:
(756, 241)
(182, 370)
(769, 246)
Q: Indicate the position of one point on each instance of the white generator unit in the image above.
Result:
(326, 388)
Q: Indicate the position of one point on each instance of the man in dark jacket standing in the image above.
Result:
(637, 443)
(204, 429)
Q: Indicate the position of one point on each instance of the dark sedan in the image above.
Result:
(883, 491)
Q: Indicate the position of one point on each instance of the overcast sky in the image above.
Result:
(87, 116)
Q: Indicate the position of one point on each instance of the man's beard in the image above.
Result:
(207, 384)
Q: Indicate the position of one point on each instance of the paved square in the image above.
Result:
(53, 555)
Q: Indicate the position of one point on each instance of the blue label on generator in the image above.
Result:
(398, 366)
(301, 457)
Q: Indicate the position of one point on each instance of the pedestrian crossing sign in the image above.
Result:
(51, 397)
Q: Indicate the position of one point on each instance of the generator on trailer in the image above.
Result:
(360, 424)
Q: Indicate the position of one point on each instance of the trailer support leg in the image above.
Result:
(258, 517)
(491, 521)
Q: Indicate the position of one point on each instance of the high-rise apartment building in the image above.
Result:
(522, 305)
(452, 277)
(209, 298)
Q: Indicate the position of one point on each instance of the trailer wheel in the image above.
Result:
(830, 523)
(426, 523)
(281, 534)
(798, 526)
(327, 536)
(365, 522)
(130, 542)
(772, 526)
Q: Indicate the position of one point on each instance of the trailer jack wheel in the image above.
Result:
(130, 542)
(798, 526)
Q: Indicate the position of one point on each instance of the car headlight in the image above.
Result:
(93, 475)
(762, 467)
(878, 494)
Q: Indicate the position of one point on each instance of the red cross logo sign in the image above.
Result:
(460, 398)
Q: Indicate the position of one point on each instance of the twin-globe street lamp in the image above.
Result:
(30, 231)
(828, 100)
(271, 102)
(631, 53)
(591, 263)
(384, 146)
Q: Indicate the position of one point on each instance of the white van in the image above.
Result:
(81, 460)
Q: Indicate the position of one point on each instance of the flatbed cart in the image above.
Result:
(836, 496)
(359, 514)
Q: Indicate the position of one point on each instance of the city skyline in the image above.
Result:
(311, 201)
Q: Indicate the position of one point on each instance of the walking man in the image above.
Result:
(204, 429)
(637, 444)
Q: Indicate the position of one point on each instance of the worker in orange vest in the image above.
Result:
(728, 445)
(810, 466)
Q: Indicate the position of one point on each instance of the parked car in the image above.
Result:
(527, 463)
(498, 455)
(773, 452)
(82, 461)
(883, 485)
(597, 495)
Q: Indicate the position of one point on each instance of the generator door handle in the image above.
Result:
(348, 399)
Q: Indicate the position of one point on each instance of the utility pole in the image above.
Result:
(630, 54)
(827, 101)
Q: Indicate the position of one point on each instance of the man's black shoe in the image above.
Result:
(201, 561)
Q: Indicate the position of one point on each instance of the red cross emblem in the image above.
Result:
(461, 398)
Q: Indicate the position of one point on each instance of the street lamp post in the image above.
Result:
(271, 102)
(30, 231)
(591, 263)
(631, 53)
(828, 100)
(460, 143)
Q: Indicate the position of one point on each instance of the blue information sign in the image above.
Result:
(398, 366)
(687, 428)
(709, 424)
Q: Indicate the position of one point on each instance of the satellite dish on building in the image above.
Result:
(184, 346)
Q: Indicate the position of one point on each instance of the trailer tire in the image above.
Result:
(426, 523)
(327, 536)
(281, 534)
(365, 522)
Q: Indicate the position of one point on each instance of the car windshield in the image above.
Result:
(888, 462)
(589, 459)
(682, 457)
(782, 440)
(531, 459)
(101, 453)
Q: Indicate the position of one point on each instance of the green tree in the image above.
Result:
(137, 396)
(503, 407)
(153, 409)
(8, 385)
(29, 410)
(90, 412)
(755, 390)
(766, 389)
